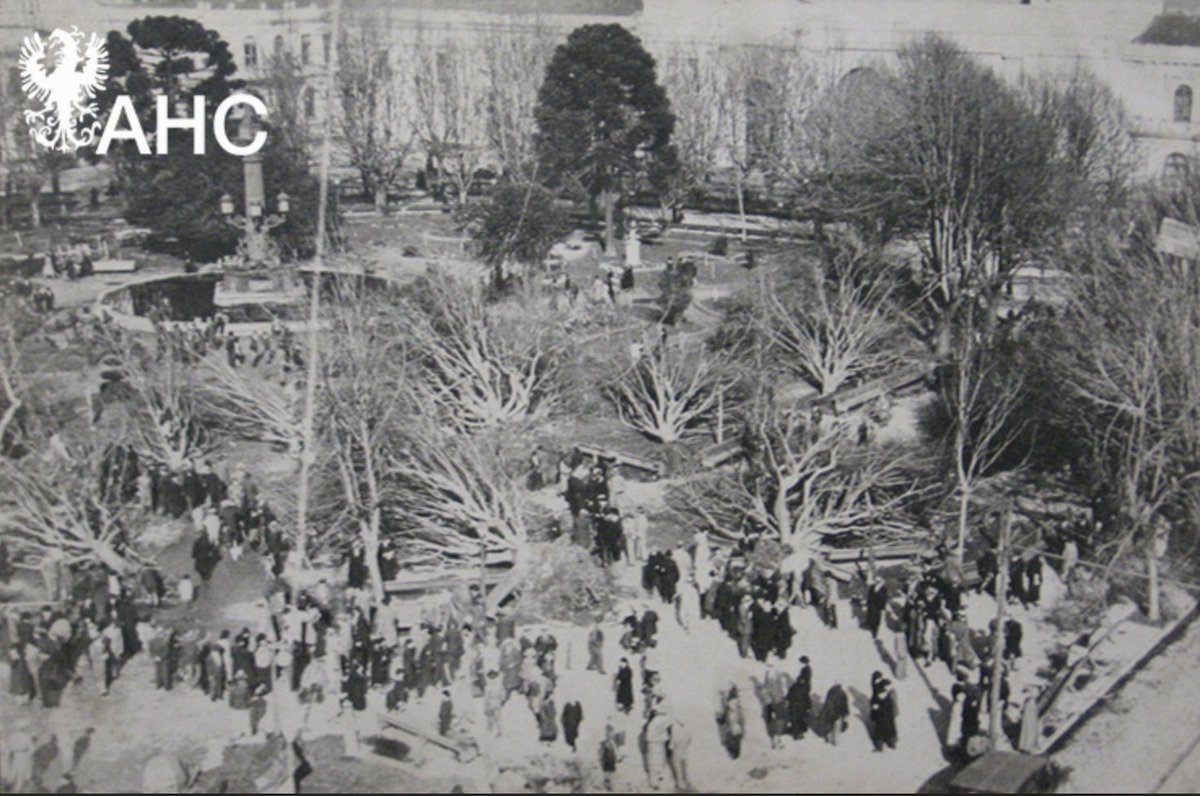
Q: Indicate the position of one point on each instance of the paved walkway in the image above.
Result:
(1145, 731)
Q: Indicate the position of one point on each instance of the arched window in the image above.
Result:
(279, 45)
(250, 53)
(1176, 168)
(310, 102)
(1183, 104)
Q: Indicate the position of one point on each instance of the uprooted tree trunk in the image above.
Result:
(669, 393)
(803, 487)
(837, 328)
(58, 505)
(165, 423)
(482, 368)
(243, 402)
(457, 498)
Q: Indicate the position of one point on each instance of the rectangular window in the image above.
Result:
(305, 49)
(327, 46)
(251, 54)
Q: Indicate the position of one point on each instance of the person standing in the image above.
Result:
(572, 716)
(677, 750)
(445, 715)
(547, 718)
(733, 723)
(608, 756)
(883, 712)
(799, 700)
(834, 713)
(596, 649)
(624, 686)
(877, 600)
(1030, 735)
(657, 734)
(19, 745)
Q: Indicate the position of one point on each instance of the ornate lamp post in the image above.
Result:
(258, 249)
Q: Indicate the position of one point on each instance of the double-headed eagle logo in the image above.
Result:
(66, 91)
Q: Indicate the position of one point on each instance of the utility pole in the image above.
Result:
(998, 635)
(308, 451)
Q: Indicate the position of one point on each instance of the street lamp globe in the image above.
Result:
(282, 203)
(226, 205)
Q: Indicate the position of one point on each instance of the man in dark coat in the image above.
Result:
(648, 628)
(624, 686)
(877, 600)
(883, 713)
(799, 699)
(572, 715)
(834, 712)
(445, 714)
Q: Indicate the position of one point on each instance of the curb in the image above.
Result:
(1168, 637)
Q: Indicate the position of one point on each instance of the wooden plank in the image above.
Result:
(391, 723)
(852, 399)
(721, 452)
(436, 582)
(504, 589)
(908, 376)
(114, 266)
(620, 458)
(880, 553)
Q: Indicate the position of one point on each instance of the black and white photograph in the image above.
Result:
(575, 396)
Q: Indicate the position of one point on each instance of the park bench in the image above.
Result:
(418, 584)
(621, 459)
(721, 452)
(462, 752)
(112, 266)
(906, 377)
(891, 553)
(846, 400)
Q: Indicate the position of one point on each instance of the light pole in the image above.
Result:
(258, 250)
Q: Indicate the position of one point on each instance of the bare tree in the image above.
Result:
(364, 392)
(763, 96)
(157, 393)
(378, 119)
(450, 104)
(290, 100)
(805, 484)
(457, 498)
(837, 327)
(669, 393)
(251, 403)
(692, 80)
(10, 368)
(983, 399)
(483, 365)
(514, 61)
(1132, 354)
(68, 500)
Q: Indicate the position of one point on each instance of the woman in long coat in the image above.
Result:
(547, 719)
(883, 714)
(20, 681)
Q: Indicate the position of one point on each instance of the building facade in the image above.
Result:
(1115, 39)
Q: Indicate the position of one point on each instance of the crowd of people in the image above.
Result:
(360, 654)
